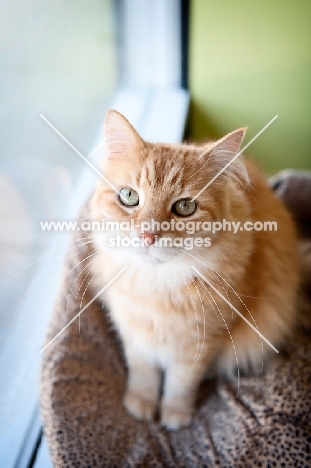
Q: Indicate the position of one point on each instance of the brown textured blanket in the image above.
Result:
(83, 379)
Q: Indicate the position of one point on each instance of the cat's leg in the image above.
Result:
(180, 391)
(143, 386)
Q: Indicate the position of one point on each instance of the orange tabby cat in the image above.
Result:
(169, 318)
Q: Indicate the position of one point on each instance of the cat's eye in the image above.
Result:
(184, 207)
(128, 196)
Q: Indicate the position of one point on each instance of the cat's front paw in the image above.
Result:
(175, 418)
(139, 407)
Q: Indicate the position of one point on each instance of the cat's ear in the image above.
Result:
(223, 151)
(120, 137)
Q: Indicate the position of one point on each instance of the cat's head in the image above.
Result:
(153, 190)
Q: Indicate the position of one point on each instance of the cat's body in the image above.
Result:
(168, 317)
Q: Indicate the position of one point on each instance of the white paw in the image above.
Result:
(175, 418)
(139, 407)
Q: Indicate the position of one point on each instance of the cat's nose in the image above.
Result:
(149, 237)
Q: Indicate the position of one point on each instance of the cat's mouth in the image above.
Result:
(136, 250)
(140, 249)
(151, 254)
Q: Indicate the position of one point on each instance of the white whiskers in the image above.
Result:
(196, 318)
(39, 274)
(203, 313)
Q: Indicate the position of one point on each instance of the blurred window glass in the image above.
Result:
(57, 58)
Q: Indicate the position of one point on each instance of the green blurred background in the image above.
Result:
(251, 60)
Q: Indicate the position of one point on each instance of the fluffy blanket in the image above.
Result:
(83, 378)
